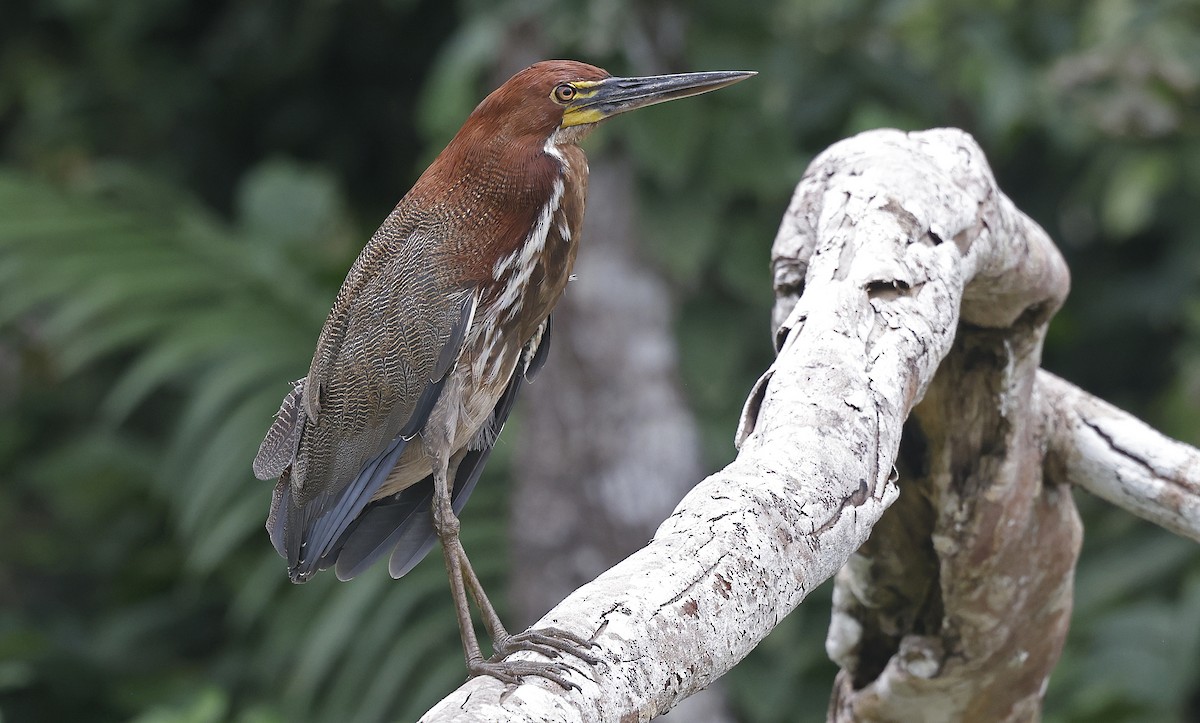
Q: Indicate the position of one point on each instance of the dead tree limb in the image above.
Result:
(898, 259)
(1119, 458)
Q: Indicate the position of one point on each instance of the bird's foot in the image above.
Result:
(550, 642)
(514, 672)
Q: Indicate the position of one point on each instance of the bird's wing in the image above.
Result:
(278, 449)
(535, 353)
(386, 349)
(403, 523)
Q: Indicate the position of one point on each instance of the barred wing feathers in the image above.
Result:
(393, 335)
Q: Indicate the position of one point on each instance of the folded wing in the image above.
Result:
(402, 524)
(384, 354)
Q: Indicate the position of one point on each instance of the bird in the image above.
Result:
(441, 319)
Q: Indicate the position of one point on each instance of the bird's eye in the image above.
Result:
(565, 93)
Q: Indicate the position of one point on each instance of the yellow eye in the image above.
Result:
(565, 93)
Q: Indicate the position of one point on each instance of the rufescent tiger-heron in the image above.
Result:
(441, 319)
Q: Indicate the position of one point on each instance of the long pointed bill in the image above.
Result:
(605, 98)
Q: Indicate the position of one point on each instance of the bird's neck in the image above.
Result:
(532, 265)
(495, 196)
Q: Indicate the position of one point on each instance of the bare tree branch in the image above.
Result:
(897, 255)
(1119, 458)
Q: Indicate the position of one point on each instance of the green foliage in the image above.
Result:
(1133, 641)
(174, 222)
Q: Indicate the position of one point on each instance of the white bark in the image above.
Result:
(1119, 458)
(891, 241)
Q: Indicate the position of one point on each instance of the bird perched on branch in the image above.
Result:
(443, 316)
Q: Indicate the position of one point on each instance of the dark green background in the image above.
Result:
(183, 185)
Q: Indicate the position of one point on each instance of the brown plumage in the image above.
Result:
(441, 318)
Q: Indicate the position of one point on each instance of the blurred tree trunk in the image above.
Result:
(606, 408)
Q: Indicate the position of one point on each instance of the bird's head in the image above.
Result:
(569, 98)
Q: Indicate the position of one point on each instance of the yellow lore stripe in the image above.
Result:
(581, 116)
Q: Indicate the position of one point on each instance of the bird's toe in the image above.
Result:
(549, 642)
(514, 672)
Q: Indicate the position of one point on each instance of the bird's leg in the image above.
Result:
(546, 641)
(460, 572)
(447, 527)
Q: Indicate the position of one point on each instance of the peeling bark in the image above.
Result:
(898, 259)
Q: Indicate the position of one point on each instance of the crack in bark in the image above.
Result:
(856, 499)
(692, 585)
(1112, 444)
(1179, 484)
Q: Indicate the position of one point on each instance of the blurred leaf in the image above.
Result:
(208, 706)
(281, 199)
(681, 235)
(451, 90)
(1133, 191)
